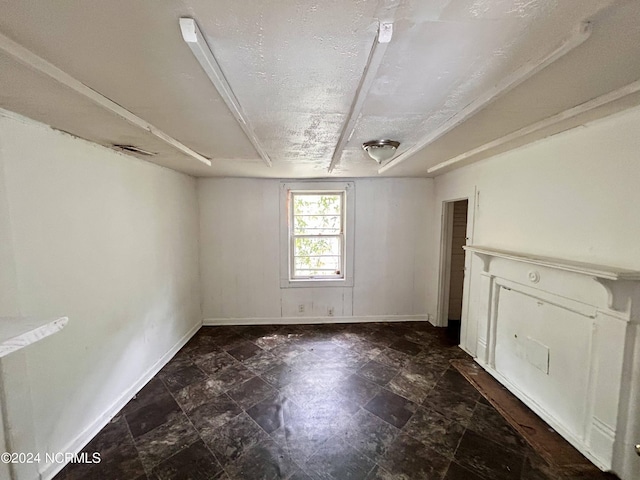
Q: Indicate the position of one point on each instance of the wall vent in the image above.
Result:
(133, 149)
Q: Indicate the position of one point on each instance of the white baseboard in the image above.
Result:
(313, 320)
(49, 470)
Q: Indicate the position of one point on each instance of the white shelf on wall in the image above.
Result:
(19, 332)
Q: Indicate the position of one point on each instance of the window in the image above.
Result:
(317, 234)
(316, 229)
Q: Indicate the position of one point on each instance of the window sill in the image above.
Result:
(319, 283)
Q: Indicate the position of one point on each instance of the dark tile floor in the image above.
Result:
(341, 402)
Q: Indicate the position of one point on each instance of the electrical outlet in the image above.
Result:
(330, 311)
(301, 308)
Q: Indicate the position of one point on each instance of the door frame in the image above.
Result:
(444, 270)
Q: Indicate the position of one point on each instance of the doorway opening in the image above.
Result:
(453, 267)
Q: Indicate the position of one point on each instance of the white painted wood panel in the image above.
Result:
(392, 243)
(522, 323)
(240, 264)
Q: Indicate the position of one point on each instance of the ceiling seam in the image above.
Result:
(507, 84)
(39, 64)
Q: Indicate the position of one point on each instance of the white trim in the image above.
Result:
(444, 265)
(50, 470)
(474, 203)
(583, 268)
(383, 37)
(444, 276)
(507, 84)
(597, 102)
(349, 233)
(202, 51)
(211, 322)
(33, 61)
(339, 236)
(319, 282)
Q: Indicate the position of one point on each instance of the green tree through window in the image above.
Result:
(316, 228)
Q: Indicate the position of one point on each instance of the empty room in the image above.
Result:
(342, 240)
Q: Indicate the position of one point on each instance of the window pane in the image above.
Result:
(317, 256)
(316, 246)
(318, 263)
(316, 224)
(317, 204)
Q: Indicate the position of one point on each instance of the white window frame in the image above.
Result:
(286, 246)
(339, 275)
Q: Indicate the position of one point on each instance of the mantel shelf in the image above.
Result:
(593, 270)
(18, 332)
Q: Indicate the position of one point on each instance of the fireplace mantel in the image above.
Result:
(563, 337)
(590, 269)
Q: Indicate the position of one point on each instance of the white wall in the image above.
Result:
(111, 242)
(8, 294)
(8, 282)
(239, 245)
(573, 196)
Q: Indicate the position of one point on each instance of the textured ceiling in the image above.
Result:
(295, 67)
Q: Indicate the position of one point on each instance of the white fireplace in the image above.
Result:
(563, 337)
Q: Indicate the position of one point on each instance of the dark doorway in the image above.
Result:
(456, 268)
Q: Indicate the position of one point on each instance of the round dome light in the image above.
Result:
(381, 150)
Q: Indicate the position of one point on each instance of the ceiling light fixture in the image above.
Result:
(192, 34)
(381, 150)
(385, 32)
(508, 83)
